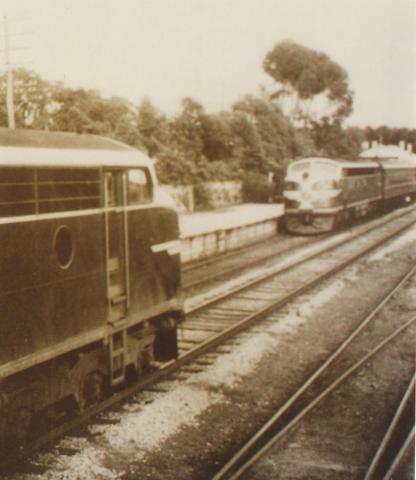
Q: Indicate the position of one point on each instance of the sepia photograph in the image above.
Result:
(207, 239)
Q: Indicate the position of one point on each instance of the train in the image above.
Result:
(320, 194)
(90, 274)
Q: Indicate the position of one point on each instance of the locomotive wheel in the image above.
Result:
(19, 425)
(145, 360)
(316, 224)
(91, 390)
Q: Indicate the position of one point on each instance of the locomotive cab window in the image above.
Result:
(351, 172)
(28, 191)
(17, 191)
(66, 189)
(299, 167)
(139, 186)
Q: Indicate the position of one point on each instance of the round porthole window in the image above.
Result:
(63, 246)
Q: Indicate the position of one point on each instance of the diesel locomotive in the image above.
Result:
(89, 271)
(321, 193)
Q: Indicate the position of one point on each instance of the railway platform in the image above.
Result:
(217, 231)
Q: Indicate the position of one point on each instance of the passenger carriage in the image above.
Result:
(89, 272)
(399, 180)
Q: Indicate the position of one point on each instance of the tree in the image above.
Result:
(153, 128)
(334, 141)
(247, 146)
(32, 96)
(180, 157)
(303, 143)
(310, 86)
(217, 137)
(393, 136)
(186, 129)
(86, 111)
(275, 131)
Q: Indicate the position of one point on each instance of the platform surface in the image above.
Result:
(198, 223)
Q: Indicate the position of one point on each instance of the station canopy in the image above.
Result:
(387, 152)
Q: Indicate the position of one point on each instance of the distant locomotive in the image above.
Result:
(320, 193)
(89, 270)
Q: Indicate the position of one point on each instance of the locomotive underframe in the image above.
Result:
(322, 221)
(81, 377)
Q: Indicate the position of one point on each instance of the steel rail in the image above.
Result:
(222, 474)
(400, 455)
(382, 449)
(247, 321)
(196, 264)
(207, 345)
(229, 471)
(214, 258)
(248, 263)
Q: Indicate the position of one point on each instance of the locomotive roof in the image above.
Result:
(44, 148)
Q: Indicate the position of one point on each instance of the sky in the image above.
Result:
(212, 50)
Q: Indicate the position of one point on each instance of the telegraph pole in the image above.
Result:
(9, 97)
(9, 69)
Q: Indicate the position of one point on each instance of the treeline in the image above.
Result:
(192, 146)
(257, 135)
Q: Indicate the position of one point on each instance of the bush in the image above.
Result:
(256, 188)
(202, 197)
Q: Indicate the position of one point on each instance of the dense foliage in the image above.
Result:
(309, 83)
(257, 135)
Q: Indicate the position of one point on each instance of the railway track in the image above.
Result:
(319, 255)
(397, 440)
(336, 369)
(281, 259)
(210, 269)
(212, 322)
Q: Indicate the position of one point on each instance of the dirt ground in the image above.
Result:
(338, 440)
(188, 432)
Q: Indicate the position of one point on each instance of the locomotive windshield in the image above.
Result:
(28, 191)
(314, 167)
(139, 187)
(299, 167)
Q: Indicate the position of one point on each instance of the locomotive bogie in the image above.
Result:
(310, 223)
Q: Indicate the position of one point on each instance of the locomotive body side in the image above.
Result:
(362, 187)
(89, 273)
(42, 304)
